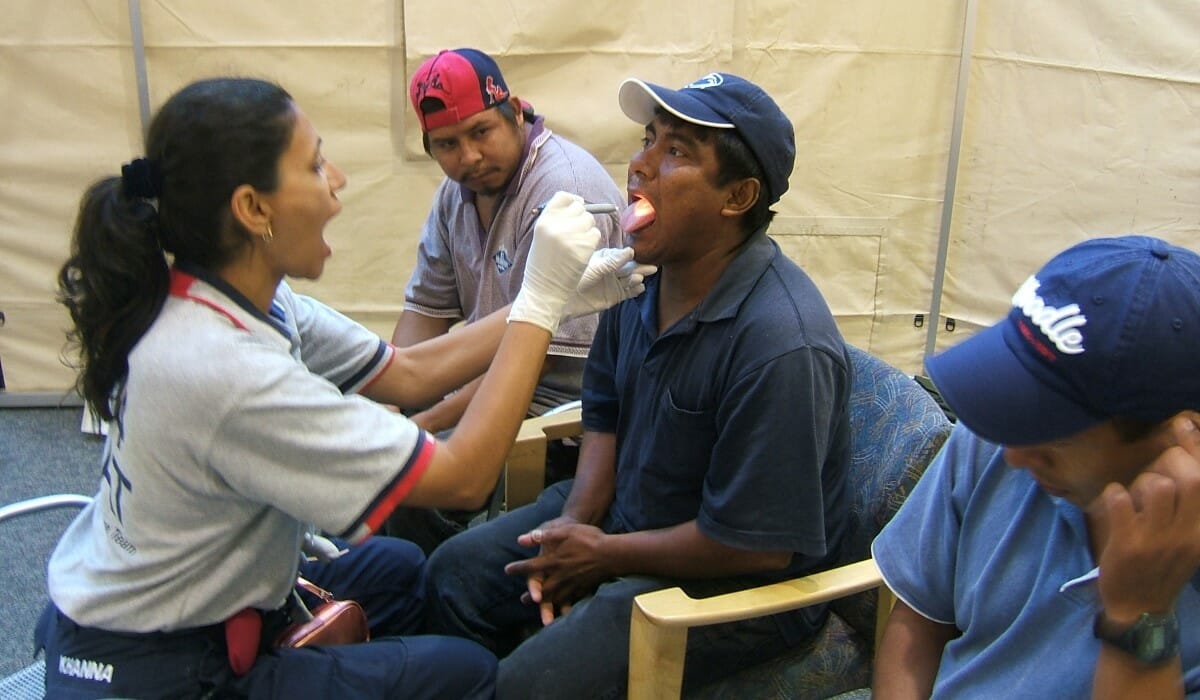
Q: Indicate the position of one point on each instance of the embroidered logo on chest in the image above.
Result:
(503, 264)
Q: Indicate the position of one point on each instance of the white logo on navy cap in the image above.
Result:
(710, 80)
(1060, 325)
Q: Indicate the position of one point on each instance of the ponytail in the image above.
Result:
(207, 139)
(113, 284)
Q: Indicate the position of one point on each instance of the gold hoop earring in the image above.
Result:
(270, 235)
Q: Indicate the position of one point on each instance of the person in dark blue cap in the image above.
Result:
(715, 418)
(1052, 548)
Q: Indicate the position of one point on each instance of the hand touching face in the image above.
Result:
(1080, 466)
(1149, 544)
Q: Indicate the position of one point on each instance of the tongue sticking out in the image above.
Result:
(638, 215)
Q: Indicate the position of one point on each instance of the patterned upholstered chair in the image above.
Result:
(896, 429)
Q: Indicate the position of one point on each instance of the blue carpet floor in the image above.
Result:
(42, 452)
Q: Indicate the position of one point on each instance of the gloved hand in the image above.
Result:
(612, 276)
(564, 237)
(320, 548)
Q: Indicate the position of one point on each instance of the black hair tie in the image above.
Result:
(140, 179)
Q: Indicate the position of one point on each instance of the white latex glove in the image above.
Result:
(612, 276)
(564, 237)
(320, 548)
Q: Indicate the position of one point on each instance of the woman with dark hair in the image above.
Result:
(236, 430)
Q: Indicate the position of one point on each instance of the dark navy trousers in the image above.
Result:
(383, 574)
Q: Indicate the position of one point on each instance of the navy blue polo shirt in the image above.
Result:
(736, 416)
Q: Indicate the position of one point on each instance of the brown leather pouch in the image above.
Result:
(331, 623)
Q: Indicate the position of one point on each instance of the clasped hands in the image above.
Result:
(568, 565)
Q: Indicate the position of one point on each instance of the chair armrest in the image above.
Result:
(660, 620)
(525, 468)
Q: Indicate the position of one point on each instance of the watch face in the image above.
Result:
(1152, 639)
(1155, 637)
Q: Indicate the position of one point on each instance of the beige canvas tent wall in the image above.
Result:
(1072, 118)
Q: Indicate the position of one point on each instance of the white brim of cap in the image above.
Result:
(639, 99)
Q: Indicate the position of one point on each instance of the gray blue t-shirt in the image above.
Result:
(979, 545)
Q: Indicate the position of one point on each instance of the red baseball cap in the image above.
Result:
(453, 85)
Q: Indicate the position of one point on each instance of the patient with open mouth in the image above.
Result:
(715, 424)
(638, 215)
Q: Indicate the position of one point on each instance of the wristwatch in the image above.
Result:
(1152, 639)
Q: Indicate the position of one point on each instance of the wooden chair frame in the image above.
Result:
(525, 468)
(661, 619)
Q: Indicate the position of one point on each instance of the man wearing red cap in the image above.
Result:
(1052, 549)
(501, 163)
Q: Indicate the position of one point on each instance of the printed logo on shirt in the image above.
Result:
(503, 264)
(119, 538)
(1061, 326)
(118, 484)
(85, 669)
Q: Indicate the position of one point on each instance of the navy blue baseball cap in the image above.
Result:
(724, 101)
(1108, 328)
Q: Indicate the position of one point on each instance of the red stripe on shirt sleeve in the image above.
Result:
(394, 496)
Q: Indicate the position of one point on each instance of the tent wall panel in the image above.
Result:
(1079, 120)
